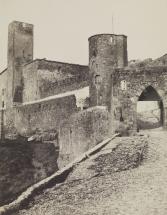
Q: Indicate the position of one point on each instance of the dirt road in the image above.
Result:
(138, 191)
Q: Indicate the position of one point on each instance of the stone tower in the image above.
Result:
(20, 52)
(106, 52)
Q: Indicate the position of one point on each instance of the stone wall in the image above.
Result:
(30, 84)
(81, 132)
(128, 85)
(3, 88)
(43, 78)
(56, 77)
(3, 96)
(43, 115)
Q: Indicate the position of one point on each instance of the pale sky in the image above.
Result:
(62, 27)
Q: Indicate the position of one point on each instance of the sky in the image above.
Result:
(62, 27)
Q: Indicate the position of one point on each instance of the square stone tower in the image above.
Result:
(20, 52)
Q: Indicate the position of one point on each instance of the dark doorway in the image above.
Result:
(150, 110)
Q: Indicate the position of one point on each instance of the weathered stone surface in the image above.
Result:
(81, 132)
(43, 78)
(106, 52)
(43, 115)
(124, 101)
(20, 52)
(23, 164)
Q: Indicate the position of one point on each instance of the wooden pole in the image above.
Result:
(2, 124)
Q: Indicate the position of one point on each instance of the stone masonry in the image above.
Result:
(33, 92)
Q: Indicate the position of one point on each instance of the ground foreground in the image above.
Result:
(102, 188)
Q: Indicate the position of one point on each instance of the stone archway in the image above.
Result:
(150, 109)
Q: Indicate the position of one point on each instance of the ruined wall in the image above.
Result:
(81, 132)
(43, 78)
(55, 77)
(44, 115)
(128, 84)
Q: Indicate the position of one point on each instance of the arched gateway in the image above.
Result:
(150, 110)
(121, 86)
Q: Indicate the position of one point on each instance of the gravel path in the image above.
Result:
(138, 191)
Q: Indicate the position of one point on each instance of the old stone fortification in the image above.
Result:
(82, 131)
(39, 96)
(43, 115)
(43, 78)
(143, 84)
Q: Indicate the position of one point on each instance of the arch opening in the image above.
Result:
(150, 110)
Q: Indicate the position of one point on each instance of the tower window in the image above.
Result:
(98, 79)
(94, 53)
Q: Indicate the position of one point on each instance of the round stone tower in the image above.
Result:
(106, 52)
